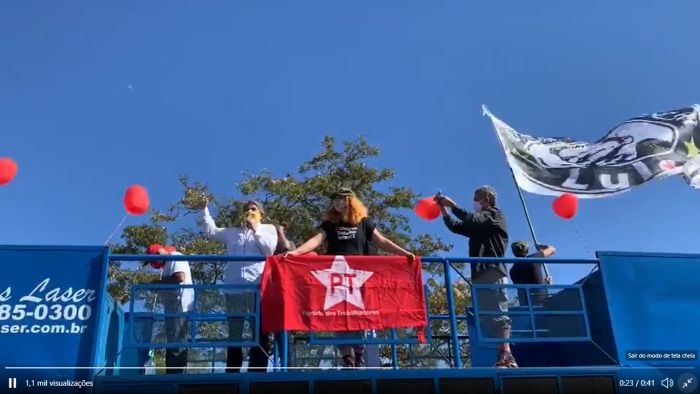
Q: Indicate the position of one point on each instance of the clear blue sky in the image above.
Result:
(97, 96)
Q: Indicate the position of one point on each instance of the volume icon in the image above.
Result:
(667, 383)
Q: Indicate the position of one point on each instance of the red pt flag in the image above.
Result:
(342, 293)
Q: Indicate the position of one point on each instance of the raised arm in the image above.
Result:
(471, 221)
(208, 226)
(454, 225)
(283, 244)
(310, 245)
(544, 251)
(388, 246)
(468, 222)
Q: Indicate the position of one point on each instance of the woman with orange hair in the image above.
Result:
(348, 232)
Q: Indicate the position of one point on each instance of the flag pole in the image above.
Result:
(517, 188)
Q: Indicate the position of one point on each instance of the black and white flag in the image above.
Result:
(636, 151)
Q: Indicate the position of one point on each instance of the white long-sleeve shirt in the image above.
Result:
(242, 241)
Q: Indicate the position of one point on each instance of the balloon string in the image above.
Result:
(115, 229)
(580, 238)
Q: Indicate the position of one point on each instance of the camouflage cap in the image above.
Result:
(343, 191)
(520, 248)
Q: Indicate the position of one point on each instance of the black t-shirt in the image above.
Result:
(528, 274)
(347, 239)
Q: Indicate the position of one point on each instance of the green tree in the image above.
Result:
(298, 200)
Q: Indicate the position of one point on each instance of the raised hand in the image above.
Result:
(445, 201)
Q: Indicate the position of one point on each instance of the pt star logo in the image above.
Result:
(342, 283)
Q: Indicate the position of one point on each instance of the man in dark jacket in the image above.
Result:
(488, 236)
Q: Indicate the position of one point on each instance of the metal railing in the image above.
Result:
(544, 324)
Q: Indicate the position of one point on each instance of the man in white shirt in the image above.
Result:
(174, 301)
(253, 238)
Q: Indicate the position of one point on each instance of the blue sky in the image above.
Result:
(97, 96)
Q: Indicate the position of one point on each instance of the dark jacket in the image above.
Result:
(528, 274)
(487, 232)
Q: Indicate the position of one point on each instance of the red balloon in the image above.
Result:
(427, 208)
(136, 200)
(566, 206)
(8, 170)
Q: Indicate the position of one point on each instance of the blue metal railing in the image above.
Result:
(533, 314)
(537, 316)
(194, 316)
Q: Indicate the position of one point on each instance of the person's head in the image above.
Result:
(345, 207)
(253, 209)
(520, 249)
(484, 197)
(154, 249)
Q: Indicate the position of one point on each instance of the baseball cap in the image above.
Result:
(520, 248)
(154, 248)
(343, 191)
